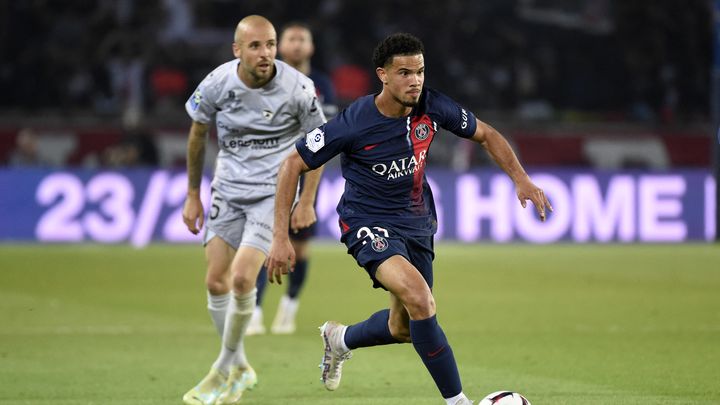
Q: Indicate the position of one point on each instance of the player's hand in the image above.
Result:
(302, 217)
(526, 190)
(193, 213)
(280, 260)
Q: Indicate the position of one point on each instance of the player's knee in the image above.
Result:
(243, 283)
(420, 305)
(217, 285)
(400, 330)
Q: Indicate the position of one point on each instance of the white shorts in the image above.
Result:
(241, 222)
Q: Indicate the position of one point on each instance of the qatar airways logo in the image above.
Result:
(401, 167)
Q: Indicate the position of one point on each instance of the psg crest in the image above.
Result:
(422, 131)
(379, 244)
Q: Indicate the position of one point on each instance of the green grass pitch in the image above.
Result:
(562, 324)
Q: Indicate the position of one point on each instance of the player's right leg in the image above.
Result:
(218, 255)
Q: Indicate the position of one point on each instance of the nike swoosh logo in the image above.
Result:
(436, 352)
(368, 147)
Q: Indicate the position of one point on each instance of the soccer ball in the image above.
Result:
(504, 398)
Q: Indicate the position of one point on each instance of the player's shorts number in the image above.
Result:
(215, 210)
(365, 232)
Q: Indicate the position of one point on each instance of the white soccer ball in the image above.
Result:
(504, 398)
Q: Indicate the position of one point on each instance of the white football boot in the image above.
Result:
(207, 390)
(239, 381)
(334, 356)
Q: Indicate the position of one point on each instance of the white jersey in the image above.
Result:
(256, 128)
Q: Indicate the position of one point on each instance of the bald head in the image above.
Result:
(252, 23)
(256, 46)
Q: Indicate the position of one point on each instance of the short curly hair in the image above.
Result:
(396, 44)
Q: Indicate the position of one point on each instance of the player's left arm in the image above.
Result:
(304, 213)
(499, 149)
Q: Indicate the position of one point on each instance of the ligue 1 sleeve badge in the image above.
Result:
(379, 244)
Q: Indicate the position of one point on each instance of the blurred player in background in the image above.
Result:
(296, 48)
(387, 213)
(261, 107)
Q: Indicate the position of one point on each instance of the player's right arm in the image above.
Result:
(282, 256)
(311, 152)
(193, 212)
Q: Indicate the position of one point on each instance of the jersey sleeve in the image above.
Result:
(453, 117)
(202, 106)
(324, 142)
(309, 110)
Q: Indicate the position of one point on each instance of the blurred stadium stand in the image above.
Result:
(601, 83)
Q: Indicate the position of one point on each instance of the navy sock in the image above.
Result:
(434, 350)
(260, 285)
(373, 331)
(297, 278)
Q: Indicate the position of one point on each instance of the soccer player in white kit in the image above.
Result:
(260, 106)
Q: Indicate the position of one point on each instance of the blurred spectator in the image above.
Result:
(529, 59)
(26, 152)
(137, 148)
(296, 48)
(351, 82)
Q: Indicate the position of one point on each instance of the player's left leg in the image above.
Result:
(410, 286)
(257, 324)
(284, 321)
(232, 359)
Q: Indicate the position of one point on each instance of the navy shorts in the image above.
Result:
(371, 245)
(304, 234)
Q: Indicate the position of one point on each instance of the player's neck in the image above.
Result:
(389, 107)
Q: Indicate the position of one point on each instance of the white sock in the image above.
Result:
(257, 315)
(217, 307)
(236, 322)
(454, 400)
(291, 306)
(343, 346)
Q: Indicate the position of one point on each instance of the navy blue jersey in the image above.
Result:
(323, 87)
(383, 159)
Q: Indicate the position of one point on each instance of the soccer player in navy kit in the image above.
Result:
(387, 214)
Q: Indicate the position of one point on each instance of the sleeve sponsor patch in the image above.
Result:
(315, 140)
(195, 100)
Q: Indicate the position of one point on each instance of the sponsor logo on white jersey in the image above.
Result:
(258, 143)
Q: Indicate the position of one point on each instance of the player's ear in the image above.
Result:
(236, 50)
(381, 74)
(312, 48)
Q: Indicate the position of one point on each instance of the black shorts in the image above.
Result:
(304, 234)
(373, 244)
